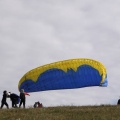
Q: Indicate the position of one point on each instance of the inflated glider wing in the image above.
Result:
(67, 74)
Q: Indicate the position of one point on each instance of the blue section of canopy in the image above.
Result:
(54, 79)
(105, 83)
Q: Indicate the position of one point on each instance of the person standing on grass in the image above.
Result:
(3, 102)
(22, 98)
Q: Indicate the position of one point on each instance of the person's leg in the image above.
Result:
(20, 103)
(6, 105)
(2, 104)
(12, 103)
(15, 103)
(24, 103)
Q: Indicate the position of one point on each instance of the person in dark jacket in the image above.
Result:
(22, 98)
(15, 99)
(3, 102)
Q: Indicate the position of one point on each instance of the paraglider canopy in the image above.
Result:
(67, 74)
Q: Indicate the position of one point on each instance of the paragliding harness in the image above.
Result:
(38, 105)
(16, 99)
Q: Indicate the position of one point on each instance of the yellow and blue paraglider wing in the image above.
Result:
(67, 74)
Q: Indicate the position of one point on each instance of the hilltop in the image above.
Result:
(102, 112)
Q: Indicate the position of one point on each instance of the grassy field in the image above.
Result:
(63, 113)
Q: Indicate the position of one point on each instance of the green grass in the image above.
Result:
(107, 112)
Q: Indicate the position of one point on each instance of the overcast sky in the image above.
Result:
(37, 32)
